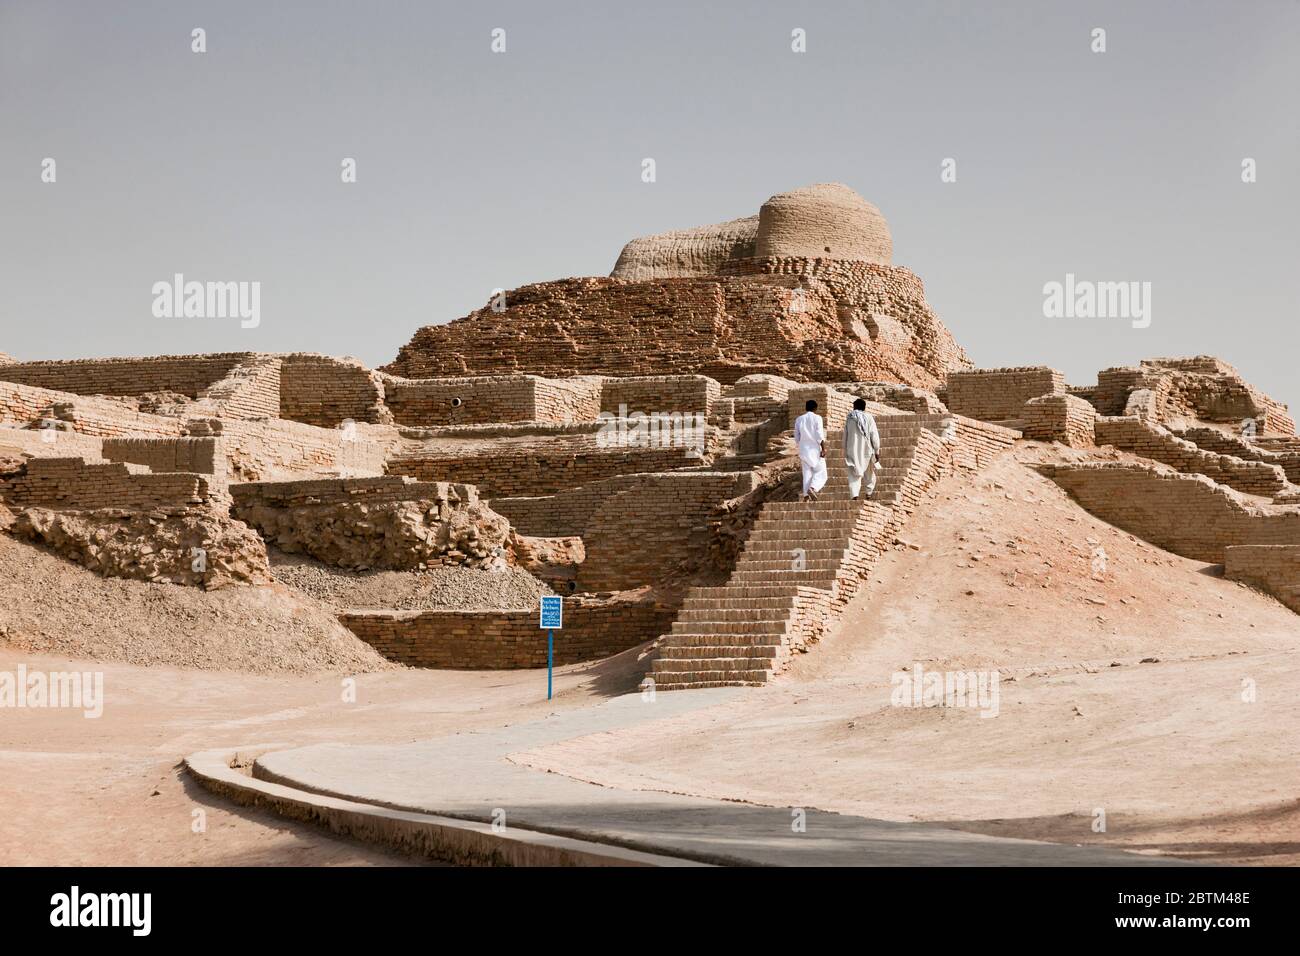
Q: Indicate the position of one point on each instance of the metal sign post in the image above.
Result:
(552, 621)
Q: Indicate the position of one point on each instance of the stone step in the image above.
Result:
(715, 651)
(711, 640)
(777, 530)
(801, 539)
(734, 613)
(814, 577)
(719, 668)
(776, 604)
(760, 562)
(788, 552)
(747, 592)
(706, 684)
(822, 508)
(730, 627)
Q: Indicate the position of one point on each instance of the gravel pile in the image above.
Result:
(444, 587)
(51, 606)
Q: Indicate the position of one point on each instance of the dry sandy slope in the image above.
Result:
(49, 605)
(1000, 575)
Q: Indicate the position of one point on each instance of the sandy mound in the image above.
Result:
(48, 605)
(441, 587)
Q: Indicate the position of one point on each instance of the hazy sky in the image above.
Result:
(477, 170)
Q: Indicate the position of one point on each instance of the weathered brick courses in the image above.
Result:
(999, 394)
(503, 640)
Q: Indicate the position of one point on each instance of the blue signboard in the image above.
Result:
(552, 618)
(552, 612)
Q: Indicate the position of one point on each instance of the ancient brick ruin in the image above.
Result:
(625, 439)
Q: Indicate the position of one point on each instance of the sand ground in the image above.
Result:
(1126, 689)
(109, 791)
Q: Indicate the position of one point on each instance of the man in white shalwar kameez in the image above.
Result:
(810, 439)
(861, 449)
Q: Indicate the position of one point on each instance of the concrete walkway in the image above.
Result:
(468, 776)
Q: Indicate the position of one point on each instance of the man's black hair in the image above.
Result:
(810, 405)
(860, 404)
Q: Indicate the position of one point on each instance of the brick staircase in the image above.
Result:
(771, 607)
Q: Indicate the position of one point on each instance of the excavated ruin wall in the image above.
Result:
(264, 450)
(122, 521)
(326, 391)
(571, 512)
(1187, 514)
(49, 443)
(1200, 387)
(382, 522)
(1158, 444)
(535, 468)
(643, 534)
(1211, 439)
(202, 456)
(249, 390)
(999, 394)
(971, 445)
(492, 640)
(1274, 568)
(100, 417)
(492, 398)
(660, 393)
(186, 374)
(75, 484)
(1067, 419)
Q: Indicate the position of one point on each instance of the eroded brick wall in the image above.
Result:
(1187, 514)
(1211, 439)
(64, 484)
(263, 450)
(999, 394)
(325, 391)
(1158, 444)
(205, 456)
(505, 640)
(660, 393)
(1064, 418)
(99, 417)
(1274, 568)
(642, 534)
(571, 512)
(485, 399)
(187, 374)
(531, 468)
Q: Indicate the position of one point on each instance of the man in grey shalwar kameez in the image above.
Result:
(861, 449)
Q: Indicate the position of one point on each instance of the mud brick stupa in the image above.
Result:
(806, 289)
